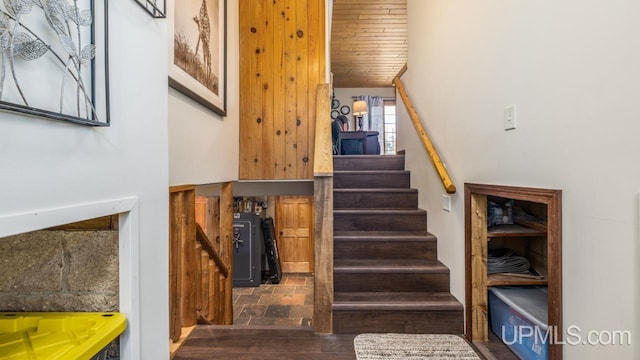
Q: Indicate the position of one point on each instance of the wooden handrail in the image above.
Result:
(202, 237)
(323, 154)
(426, 141)
(402, 71)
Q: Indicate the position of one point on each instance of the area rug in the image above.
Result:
(412, 347)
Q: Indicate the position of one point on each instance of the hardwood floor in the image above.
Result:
(255, 342)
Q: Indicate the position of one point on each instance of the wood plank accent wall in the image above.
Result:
(282, 59)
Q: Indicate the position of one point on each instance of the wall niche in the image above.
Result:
(71, 267)
(532, 230)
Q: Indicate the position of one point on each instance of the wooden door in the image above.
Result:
(294, 225)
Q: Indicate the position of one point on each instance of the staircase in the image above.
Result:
(387, 277)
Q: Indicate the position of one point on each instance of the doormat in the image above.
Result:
(412, 347)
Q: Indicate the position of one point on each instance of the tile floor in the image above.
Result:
(289, 303)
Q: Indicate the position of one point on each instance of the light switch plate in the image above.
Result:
(510, 117)
(446, 203)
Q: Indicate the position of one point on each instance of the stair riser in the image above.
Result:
(369, 181)
(368, 163)
(379, 222)
(373, 200)
(413, 322)
(390, 282)
(392, 249)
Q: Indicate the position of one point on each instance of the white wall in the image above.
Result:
(204, 146)
(345, 96)
(572, 69)
(51, 165)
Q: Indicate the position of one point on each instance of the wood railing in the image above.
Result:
(447, 183)
(211, 287)
(200, 279)
(323, 213)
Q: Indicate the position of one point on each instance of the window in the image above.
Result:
(389, 127)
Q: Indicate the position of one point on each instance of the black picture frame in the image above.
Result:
(204, 81)
(156, 8)
(66, 56)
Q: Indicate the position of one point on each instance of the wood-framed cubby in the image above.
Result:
(543, 246)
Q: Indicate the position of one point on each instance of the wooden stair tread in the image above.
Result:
(387, 234)
(383, 235)
(364, 157)
(394, 266)
(379, 211)
(374, 190)
(416, 301)
(369, 172)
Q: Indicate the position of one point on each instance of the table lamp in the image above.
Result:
(359, 110)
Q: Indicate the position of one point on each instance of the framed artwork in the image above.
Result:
(55, 60)
(155, 8)
(197, 51)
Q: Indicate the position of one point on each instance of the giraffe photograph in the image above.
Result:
(198, 54)
(196, 49)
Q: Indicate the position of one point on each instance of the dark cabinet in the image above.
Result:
(247, 240)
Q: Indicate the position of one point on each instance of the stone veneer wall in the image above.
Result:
(59, 270)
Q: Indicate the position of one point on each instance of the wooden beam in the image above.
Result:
(479, 302)
(175, 254)
(323, 237)
(323, 157)
(187, 261)
(226, 243)
(426, 141)
(109, 222)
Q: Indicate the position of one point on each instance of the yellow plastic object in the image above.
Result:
(51, 336)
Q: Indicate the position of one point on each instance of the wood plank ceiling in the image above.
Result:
(368, 42)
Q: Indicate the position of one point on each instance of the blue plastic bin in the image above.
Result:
(519, 318)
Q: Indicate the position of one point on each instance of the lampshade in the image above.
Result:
(359, 108)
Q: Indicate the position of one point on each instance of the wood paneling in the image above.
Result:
(282, 60)
(368, 42)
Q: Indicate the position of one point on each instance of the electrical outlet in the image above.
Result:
(510, 117)
(446, 202)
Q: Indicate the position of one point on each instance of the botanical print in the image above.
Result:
(46, 54)
(196, 46)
